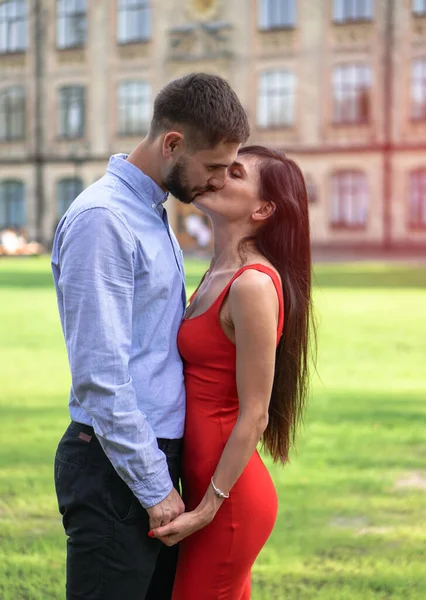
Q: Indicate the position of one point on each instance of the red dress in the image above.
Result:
(215, 562)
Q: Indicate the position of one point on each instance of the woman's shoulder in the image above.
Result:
(259, 268)
(255, 282)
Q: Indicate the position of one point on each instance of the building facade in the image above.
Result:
(339, 85)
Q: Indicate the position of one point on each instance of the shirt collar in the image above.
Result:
(141, 184)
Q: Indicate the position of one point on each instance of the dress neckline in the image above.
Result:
(254, 266)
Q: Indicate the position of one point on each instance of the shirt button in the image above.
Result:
(153, 205)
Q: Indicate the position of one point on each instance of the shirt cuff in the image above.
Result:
(154, 489)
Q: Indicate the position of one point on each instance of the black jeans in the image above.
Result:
(109, 554)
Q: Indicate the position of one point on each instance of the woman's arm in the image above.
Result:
(253, 310)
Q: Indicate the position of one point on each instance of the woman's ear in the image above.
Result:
(265, 211)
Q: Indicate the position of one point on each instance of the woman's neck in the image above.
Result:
(226, 252)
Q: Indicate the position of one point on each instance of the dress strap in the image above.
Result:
(275, 280)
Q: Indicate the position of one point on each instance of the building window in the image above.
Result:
(134, 107)
(311, 190)
(351, 93)
(13, 26)
(68, 190)
(418, 89)
(276, 14)
(12, 204)
(417, 206)
(349, 200)
(12, 114)
(345, 11)
(419, 7)
(71, 112)
(71, 23)
(276, 99)
(134, 21)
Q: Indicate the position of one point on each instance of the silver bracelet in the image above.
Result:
(218, 492)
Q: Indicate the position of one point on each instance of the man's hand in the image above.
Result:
(184, 525)
(165, 511)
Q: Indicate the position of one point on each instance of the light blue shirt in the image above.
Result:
(119, 279)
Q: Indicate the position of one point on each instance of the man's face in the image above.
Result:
(193, 174)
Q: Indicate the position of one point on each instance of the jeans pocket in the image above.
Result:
(123, 503)
(68, 480)
(72, 449)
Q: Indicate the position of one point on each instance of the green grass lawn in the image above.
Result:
(352, 520)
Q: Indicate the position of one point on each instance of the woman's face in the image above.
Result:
(239, 198)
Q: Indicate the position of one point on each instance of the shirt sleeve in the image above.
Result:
(97, 285)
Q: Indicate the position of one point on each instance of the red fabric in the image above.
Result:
(215, 562)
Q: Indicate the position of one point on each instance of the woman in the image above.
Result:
(245, 371)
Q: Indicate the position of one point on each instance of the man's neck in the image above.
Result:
(146, 158)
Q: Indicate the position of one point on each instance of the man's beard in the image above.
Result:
(177, 184)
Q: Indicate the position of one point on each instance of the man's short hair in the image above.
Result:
(205, 107)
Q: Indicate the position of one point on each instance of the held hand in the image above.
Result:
(180, 528)
(165, 511)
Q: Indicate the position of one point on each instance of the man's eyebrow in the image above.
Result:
(217, 166)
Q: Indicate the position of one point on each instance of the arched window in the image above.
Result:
(12, 113)
(13, 26)
(417, 200)
(68, 190)
(134, 107)
(276, 99)
(349, 199)
(12, 204)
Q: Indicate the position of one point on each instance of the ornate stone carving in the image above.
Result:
(200, 41)
(353, 36)
(275, 41)
(202, 9)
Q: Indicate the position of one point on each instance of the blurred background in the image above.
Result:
(340, 86)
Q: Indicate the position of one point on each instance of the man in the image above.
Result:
(119, 279)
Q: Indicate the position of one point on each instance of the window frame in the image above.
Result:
(267, 95)
(349, 92)
(63, 129)
(69, 11)
(338, 215)
(128, 11)
(70, 186)
(6, 199)
(126, 104)
(9, 22)
(267, 8)
(12, 117)
(418, 8)
(420, 84)
(341, 7)
(417, 180)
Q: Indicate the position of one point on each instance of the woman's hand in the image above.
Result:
(184, 525)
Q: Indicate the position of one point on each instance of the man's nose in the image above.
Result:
(217, 181)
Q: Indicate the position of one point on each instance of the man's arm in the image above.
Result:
(97, 283)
